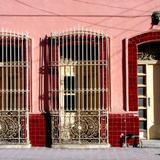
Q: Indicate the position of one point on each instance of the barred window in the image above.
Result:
(79, 86)
(81, 61)
(14, 72)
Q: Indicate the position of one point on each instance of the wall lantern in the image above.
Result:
(156, 18)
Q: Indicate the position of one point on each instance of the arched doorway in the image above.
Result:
(144, 54)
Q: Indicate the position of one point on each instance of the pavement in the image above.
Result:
(151, 143)
(151, 151)
(81, 154)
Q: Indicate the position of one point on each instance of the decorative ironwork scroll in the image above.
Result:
(148, 56)
(84, 128)
(13, 127)
(149, 51)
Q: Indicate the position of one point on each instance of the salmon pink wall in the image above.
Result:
(119, 19)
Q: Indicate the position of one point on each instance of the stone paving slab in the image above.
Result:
(151, 143)
(81, 154)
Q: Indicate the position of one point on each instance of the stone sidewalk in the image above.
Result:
(151, 143)
(81, 154)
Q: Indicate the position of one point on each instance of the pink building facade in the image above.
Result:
(45, 34)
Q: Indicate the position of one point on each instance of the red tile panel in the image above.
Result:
(119, 124)
(37, 129)
(126, 123)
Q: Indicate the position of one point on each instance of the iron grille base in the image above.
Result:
(13, 128)
(79, 129)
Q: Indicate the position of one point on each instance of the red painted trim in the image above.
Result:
(132, 64)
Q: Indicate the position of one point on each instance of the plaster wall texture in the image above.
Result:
(119, 19)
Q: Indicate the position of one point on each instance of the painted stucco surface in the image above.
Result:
(119, 19)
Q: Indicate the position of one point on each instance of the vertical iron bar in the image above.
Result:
(82, 70)
(79, 102)
(3, 108)
(10, 76)
(87, 72)
(22, 78)
(78, 43)
(108, 89)
(102, 72)
(6, 75)
(90, 66)
(18, 92)
(71, 69)
(95, 75)
(62, 72)
(55, 65)
(75, 69)
(59, 90)
(66, 71)
(51, 74)
(99, 89)
(27, 86)
(15, 73)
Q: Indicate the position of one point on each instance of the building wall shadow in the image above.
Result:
(44, 87)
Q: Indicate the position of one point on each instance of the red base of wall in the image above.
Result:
(120, 124)
(37, 126)
(40, 128)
